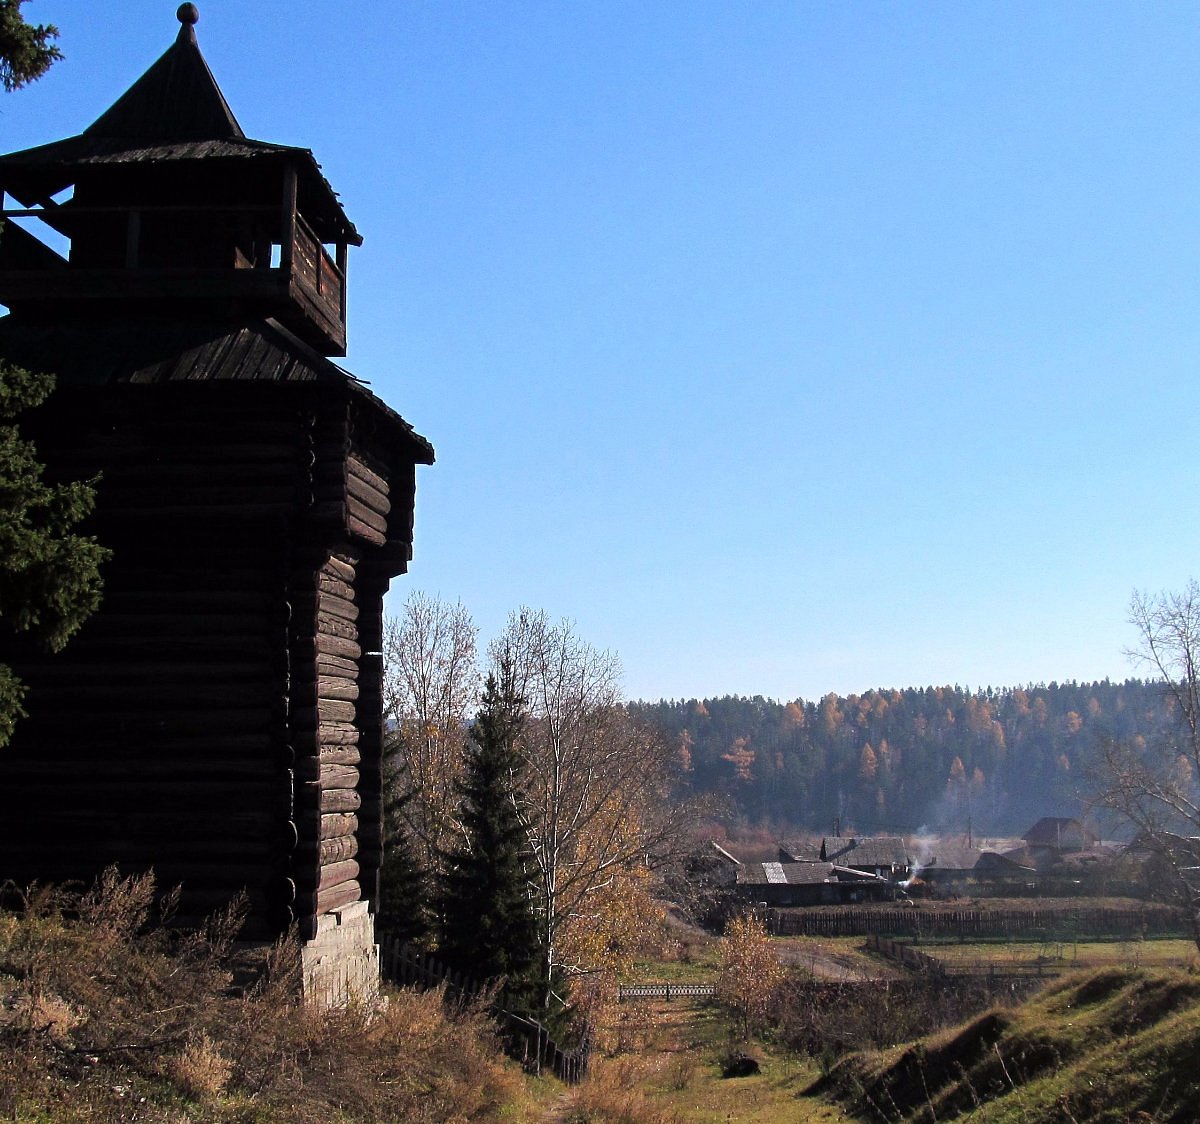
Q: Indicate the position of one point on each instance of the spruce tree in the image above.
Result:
(486, 923)
(403, 889)
(49, 574)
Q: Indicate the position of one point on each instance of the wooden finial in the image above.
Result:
(188, 15)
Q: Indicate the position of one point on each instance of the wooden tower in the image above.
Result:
(219, 719)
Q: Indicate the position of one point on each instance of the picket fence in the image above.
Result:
(528, 1040)
(965, 924)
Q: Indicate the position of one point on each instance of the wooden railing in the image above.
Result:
(973, 969)
(529, 1041)
(667, 991)
(317, 271)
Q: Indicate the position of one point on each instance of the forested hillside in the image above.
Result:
(902, 760)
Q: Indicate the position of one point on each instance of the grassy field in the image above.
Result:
(663, 1065)
(1066, 955)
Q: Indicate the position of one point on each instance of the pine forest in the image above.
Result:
(938, 759)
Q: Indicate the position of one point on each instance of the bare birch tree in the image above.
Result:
(431, 689)
(1154, 783)
(598, 785)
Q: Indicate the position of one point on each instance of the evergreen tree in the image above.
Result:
(49, 575)
(403, 889)
(26, 50)
(487, 926)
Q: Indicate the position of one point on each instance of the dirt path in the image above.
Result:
(829, 965)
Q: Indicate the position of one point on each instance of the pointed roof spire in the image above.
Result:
(177, 99)
(188, 15)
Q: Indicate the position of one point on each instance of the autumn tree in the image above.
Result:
(1155, 784)
(750, 971)
(431, 683)
(486, 919)
(597, 783)
(49, 573)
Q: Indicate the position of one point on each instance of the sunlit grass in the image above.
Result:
(1165, 953)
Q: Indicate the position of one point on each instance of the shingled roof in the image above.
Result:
(177, 99)
(177, 350)
(174, 112)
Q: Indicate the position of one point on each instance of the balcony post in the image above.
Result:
(342, 257)
(288, 238)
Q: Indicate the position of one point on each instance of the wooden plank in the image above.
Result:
(340, 734)
(337, 873)
(335, 587)
(334, 710)
(340, 755)
(334, 626)
(331, 687)
(339, 800)
(116, 671)
(365, 530)
(338, 607)
(226, 698)
(336, 849)
(335, 776)
(362, 493)
(337, 897)
(356, 509)
(341, 568)
(356, 468)
(150, 494)
(332, 825)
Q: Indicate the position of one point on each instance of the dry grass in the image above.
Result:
(106, 1016)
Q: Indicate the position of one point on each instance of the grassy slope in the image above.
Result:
(106, 1018)
(1112, 1045)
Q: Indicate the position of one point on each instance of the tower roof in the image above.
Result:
(177, 99)
(174, 112)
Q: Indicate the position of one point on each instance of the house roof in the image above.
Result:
(1048, 830)
(878, 850)
(834, 846)
(946, 855)
(882, 850)
(800, 850)
(781, 874)
(1010, 862)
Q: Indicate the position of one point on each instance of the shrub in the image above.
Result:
(106, 1014)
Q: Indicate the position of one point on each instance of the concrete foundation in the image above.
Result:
(340, 964)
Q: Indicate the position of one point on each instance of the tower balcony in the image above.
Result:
(228, 259)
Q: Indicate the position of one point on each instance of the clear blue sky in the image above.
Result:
(786, 347)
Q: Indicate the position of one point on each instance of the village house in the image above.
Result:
(885, 856)
(809, 883)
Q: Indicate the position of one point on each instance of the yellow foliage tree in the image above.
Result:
(750, 971)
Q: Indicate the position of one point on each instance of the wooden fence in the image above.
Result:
(974, 969)
(966, 924)
(530, 1042)
(667, 991)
